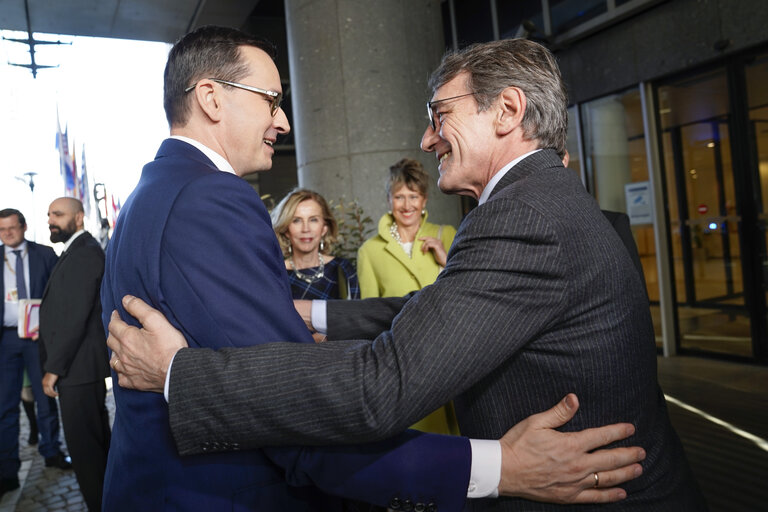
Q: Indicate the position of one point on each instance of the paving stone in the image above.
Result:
(49, 489)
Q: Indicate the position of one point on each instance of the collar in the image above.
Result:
(68, 243)
(21, 247)
(219, 161)
(497, 177)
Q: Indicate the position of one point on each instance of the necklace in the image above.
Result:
(309, 279)
(396, 235)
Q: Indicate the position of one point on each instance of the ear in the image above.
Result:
(79, 216)
(209, 99)
(512, 103)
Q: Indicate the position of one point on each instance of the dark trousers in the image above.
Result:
(86, 429)
(15, 355)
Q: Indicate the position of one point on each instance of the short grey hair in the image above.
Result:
(494, 66)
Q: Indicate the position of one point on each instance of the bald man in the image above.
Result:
(73, 349)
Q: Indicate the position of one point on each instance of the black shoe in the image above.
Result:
(59, 460)
(8, 484)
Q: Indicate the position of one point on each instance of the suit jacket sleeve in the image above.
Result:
(362, 319)
(500, 274)
(77, 283)
(423, 468)
(222, 276)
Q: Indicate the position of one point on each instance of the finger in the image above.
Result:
(137, 308)
(117, 328)
(558, 415)
(614, 477)
(600, 495)
(593, 438)
(606, 460)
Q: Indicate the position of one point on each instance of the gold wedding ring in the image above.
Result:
(597, 480)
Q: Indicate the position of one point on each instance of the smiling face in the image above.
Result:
(406, 205)
(307, 227)
(463, 140)
(250, 130)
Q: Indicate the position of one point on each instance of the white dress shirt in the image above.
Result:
(10, 294)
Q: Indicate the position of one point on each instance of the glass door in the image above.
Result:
(711, 309)
(756, 74)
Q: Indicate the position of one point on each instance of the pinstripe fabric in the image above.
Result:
(539, 298)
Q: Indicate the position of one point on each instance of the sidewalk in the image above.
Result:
(45, 489)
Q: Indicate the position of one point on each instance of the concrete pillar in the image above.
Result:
(610, 152)
(358, 82)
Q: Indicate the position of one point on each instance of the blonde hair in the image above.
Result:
(285, 210)
(408, 172)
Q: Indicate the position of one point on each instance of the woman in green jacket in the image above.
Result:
(406, 255)
(408, 252)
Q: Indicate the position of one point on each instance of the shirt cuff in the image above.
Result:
(319, 317)
(168, 378)
(485, 475)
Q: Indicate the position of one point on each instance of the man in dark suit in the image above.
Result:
(26, 268)
(538, 297)
(74, 357)
(194, 240)
(157, 255)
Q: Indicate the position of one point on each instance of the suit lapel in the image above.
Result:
(53, 272)
(36, 270)
(80, 240)
(399, 254)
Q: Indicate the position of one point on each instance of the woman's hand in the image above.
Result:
(435, 245)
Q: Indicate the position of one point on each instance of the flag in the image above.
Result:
(115, 211)
(85, 195)
(73, 169)
(65, 162)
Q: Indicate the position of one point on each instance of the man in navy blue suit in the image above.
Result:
(31, 264)
(195, 241)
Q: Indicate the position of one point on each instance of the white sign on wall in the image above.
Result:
(639, 202)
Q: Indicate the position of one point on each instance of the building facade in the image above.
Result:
(669, 123)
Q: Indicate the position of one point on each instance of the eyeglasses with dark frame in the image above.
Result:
(275, 98)
(431, 105)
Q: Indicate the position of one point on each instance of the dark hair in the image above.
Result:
(494, 66)
(12, 211)
(283, 214)
(207, 52)
(408, 172)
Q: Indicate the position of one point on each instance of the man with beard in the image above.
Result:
(74, 357)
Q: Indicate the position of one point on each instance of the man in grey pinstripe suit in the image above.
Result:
(538, 298)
